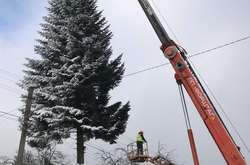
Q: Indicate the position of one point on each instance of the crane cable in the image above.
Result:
(184, 106)
(165, 21)
(222, 109)
(188, 124)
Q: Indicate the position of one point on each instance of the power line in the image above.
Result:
(221, 46)
(10, 74)
(9, 114)
(193, 55)
(9, 118)
(9, 79)
(96, 148)
(102, 150)
(121, 144)
(9, 88)
(147, 69)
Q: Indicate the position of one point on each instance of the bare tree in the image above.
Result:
(4, 160)
(43, 157)
(119, 157)
(30, 158)
(51, 157)
(165, 155)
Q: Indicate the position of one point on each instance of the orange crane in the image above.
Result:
(185, 76)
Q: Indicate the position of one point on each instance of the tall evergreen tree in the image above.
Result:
(73, 77)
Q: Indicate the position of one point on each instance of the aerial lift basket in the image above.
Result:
(133, 155)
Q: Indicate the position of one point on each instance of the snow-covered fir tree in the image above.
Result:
(73, 77)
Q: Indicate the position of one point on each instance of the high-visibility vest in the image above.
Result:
(139, 138)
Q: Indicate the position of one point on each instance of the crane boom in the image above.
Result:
(186, 75)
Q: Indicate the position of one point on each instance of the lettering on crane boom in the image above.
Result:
(147, 6)
(202, 98)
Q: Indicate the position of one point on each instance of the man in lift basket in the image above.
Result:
(139, 142)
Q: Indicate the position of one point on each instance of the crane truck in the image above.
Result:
(186, 77)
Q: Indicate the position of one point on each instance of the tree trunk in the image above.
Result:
(80, 146)
(46, 161)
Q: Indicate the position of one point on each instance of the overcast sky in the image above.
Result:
(154, 97)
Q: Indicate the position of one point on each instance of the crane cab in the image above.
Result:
(134, 155)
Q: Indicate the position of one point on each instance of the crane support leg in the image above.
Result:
(193, 147)
(187, 120)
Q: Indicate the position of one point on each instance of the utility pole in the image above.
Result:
(24, 127)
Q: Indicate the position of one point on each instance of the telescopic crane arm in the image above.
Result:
(185, 75)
